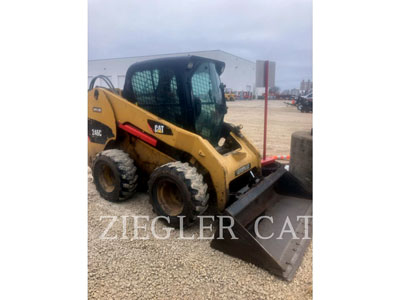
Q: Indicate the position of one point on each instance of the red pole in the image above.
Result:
(265, 111)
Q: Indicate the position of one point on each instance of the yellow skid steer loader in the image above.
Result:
(167, 123)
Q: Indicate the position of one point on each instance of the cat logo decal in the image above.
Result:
(159, 128)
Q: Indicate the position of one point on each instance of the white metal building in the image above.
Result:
(239, 74)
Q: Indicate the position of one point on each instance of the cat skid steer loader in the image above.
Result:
(167, 123)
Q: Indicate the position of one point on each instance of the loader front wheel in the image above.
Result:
(178, 191)
(114, 175)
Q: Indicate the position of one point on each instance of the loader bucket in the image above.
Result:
(274, 199)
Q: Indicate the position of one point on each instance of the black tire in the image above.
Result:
(114, 175)
(178, 190)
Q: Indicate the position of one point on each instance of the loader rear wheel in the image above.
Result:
(177, 191)
(114, 175)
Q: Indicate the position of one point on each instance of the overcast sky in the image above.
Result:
(278, 30)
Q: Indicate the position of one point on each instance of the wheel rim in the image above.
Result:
(170, 198)
(107, 179)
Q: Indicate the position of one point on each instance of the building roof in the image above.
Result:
(171, 54)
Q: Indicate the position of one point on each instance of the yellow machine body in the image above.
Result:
(113, 110)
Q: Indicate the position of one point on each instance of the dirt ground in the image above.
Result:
(189, 269)
(283, 120)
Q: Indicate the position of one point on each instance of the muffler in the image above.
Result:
(271, 223)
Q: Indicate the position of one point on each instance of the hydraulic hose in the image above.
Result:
(106, 80)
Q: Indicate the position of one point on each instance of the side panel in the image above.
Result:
(101, 122)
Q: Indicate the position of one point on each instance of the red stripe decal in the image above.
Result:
(139, 134)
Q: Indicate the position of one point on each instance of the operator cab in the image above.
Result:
(185, 91)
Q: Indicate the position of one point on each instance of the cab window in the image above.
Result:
(156, 90)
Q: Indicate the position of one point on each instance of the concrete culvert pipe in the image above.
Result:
(301, 157)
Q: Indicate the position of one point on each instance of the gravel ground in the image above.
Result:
(186, 269)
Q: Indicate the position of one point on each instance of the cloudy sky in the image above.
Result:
(278, 30)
